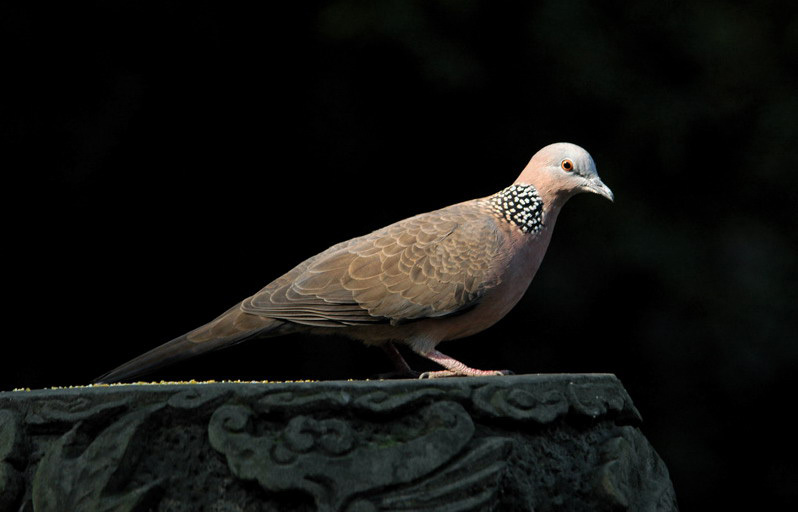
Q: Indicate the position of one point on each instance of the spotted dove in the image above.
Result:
(437, 276)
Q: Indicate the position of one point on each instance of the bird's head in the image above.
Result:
(561, 170)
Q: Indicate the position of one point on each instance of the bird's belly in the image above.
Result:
(500, 300)
(492, 309)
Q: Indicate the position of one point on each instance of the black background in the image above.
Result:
(165, 159)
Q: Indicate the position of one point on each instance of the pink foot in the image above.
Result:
(455, 368)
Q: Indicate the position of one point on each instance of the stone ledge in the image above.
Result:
(526, 442)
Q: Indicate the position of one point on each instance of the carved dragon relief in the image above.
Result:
(351, 447)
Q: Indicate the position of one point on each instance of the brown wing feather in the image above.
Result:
(430, 265)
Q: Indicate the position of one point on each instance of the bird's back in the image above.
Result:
(430, 265)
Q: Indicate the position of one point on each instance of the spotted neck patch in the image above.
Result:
(520, 205)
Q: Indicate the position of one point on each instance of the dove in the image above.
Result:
(433, 277)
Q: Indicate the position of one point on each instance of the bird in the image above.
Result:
(434, 277)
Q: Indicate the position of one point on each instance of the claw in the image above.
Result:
(454, 367)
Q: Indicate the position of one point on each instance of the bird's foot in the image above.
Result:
(474, 373)
(455, 368)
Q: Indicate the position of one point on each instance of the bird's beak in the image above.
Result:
(597, 186)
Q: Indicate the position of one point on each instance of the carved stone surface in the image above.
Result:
(526, 442)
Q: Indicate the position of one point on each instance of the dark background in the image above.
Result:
(166, 159)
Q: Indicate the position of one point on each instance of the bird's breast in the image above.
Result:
(525, 254)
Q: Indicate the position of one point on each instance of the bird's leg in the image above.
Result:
(454, 367)
(402, 368)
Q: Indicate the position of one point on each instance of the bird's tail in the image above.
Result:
(233, 326)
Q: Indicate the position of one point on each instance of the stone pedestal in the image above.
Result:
(526, 442)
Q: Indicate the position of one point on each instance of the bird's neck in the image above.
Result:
(528, 207)
(519, 205)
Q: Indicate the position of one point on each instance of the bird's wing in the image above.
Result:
(430, 265)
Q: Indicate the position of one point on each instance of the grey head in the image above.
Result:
(562, 170)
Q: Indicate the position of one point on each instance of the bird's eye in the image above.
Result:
(567, 165)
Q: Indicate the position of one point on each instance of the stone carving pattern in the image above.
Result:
(503, 400)
(335, 460)
(355, 449)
